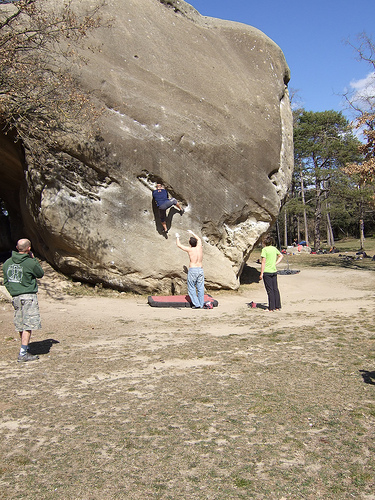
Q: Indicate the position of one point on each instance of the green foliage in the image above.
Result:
(323, 143)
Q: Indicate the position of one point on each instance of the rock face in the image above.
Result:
(198, 103)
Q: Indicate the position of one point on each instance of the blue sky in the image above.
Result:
(312, 35)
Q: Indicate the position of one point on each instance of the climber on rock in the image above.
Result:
(163, 202)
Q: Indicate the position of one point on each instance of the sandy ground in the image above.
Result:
(314, 291)
(307, 296)
(133, 402)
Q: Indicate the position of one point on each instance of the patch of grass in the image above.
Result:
(203, 399)
(242, 482)
(155, 432)
(370, 410)
(194, 479)
(21, 460)
(278, 336)
(159, 486)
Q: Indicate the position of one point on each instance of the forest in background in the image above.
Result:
(332, 194)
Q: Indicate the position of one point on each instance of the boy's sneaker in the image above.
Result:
(27, 357)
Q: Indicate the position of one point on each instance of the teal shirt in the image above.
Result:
(20, 273)
(270, 253)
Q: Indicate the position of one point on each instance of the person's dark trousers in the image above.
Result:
(270, 283)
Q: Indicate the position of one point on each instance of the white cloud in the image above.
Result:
(364, 90)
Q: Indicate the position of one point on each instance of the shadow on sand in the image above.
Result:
(368, 377)
(42, 346)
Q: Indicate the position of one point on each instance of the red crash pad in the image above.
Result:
(176, 300)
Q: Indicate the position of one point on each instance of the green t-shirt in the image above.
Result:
(270, 253)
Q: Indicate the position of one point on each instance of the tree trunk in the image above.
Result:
(318, 217)
(304, 210)
(298, 230)
(306, 227)
(330, 237)
(278, 234)
(361, 222)
(285, 229)
(362, 233)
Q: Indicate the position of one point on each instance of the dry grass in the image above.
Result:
(232, 406)
(265, 414)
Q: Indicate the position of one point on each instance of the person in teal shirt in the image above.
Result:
(270, 256)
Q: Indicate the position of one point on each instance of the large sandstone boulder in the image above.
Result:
(198, 103)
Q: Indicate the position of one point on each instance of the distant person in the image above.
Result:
(163, 202)
(20, 273)
(270, 257)
(195, 278)
(333, 250)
